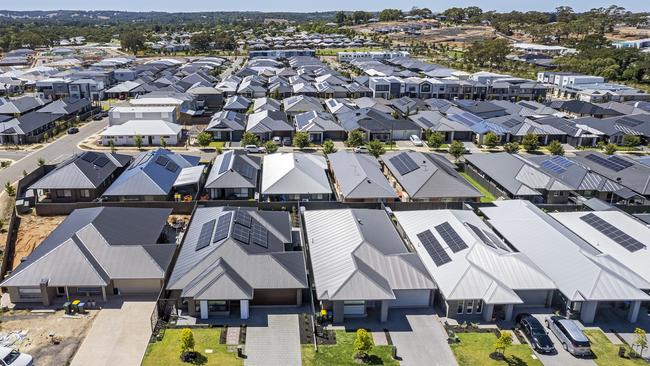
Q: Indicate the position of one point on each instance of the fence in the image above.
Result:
(10, 246)
(56, 209)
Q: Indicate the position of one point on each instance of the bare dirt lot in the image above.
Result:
(454, 36)
(628, 33)
(38, 327)
(31, 232)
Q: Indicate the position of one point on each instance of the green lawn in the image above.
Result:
(216, 144)
(475, 349)
(606, 352)
(343, 353)
(487, 196)
(166, 352)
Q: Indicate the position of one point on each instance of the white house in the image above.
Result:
(150, 130)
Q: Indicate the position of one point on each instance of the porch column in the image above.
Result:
(488, 310)
(384, 311)
(203, 304)
(243, 309)
(191, 307)
(546, 140)
(633, 313)
(588, 311)
(67, 294)
(45, 297)
(509, 309)
(104, 293)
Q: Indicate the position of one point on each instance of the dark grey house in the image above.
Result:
(234, 175)
(227, 126)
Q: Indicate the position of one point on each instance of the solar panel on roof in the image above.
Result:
(433, 247)
(481, 235)
(223, 226)
(511, 123)
(613, 162)
(496, 241)
(225, 163)
(241, 233)
(553, 167)
(404, 163)
(101, 161)
(627, 121)
(562, 161)
(162, 160)
(620, 161)
(205, 235)
(612, 232)
(243, 217)
(451, 237)
(89, 156)
(171, 166)
(259, 234)
(247, 171)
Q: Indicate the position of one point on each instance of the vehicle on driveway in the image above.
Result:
(277, 140)
(100, 115)
(11, 357)
(536, 333)
(254, 149)
(416, 140)
(361, 149)
(570, 335)
(286, 141)
(72, 130)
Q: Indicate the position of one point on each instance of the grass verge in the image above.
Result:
(342, 353)
(167, 351)
(475, 349)
(606, 352)
(487, 196)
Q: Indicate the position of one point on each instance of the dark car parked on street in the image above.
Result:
(536, 333)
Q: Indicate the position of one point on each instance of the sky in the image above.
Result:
(308, 6)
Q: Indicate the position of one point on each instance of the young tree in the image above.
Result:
(355, 138)
(555, 148)
(503, 342)
(249, 138)
(41, 162)
(204, 139)
(46, 137)
(270, 147)
(10, 189)
(435, 140)
(301, 140)
(610, 149)
(511, 147)
(631, 140)
(111, 144)
(328, 147)
(456, 149)
(137, 140)
(186, 340)
(640, 340)
(530, 142)
(491, 140)
(163, 142)
(362, 343)
(376, 148)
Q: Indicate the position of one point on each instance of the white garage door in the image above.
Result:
(137, 286)
(410, 298)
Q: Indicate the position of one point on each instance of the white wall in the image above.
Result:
(129, 140)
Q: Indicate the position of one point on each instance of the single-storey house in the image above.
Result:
(121, 114)
(359, 178)
(295, 177)
(234, 175)
(269, 124)
(152, 132)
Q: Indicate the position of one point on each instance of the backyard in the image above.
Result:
(167, 351)
(475, 349)
(343, 353)
(487, 196)
(606, 352)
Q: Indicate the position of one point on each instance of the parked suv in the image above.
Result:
(570, 335)
(536, 333)
(254, 149)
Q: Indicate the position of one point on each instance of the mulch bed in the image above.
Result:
(224, 335)
(242, 334)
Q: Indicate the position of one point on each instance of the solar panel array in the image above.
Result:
(496, 241)
(488, 238)
(403, 163)
(511, 123)
(612, 232)
(613, 163)
(101, 161)
(241, 233)
(259, 234)
(247, 171)
(205, 235)
(171, 166)
(467, 118)
(433, 247)
(557, 164)
(225, 163)
(451, 237)
(627, 121)
(89, 156)
(223, 226)
(162, 160)
(243, 217)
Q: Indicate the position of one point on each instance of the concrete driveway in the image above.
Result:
(119, 335)
(276, 343)
(562, 357)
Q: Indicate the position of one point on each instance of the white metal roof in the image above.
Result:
(143, 128)
(189, 175)
(294, 173)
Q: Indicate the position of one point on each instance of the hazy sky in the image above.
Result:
(307, 5)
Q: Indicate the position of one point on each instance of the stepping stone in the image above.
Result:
(379, 338)
(232, 336)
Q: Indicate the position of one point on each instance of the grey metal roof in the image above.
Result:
(79, 173)
(268, 121)
(228, 269)
(503, 168)
(234, 169)
(580, 272)
(635, 177)
(435, 177)
(357, 254)
(227, 120)
(146, 177)
(295, 173)
(95, 245)
(359, 176)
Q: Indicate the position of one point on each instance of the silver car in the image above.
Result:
(570, 335)
(11, 357)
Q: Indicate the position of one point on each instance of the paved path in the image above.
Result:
(277, 344)
(425, 343)
(119, 335)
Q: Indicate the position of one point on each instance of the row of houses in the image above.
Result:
(362, 262)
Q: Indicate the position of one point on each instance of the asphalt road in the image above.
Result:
(53, 152)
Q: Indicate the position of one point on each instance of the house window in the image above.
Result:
(479, 306)
(29, 292)
(469, 308)
(63, 193)
(85, 193)
(217, 305)
(461, 306)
